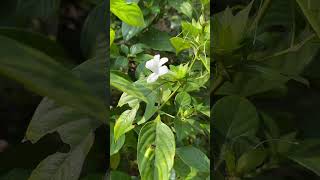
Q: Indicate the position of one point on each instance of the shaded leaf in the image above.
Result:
(234, 117)
(64, 166)
(41, 74)
(194, 158)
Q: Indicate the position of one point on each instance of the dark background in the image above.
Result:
(17, 104)
(301, 101)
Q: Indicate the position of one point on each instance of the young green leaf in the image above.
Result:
(112, 36)
(116, 145)
(183, 99)
(126, 86)
(180, 44)
(129, 13)
(125, 122)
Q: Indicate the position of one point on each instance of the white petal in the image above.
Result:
(157, 57)
(163, 61)
(152, 65)
(152, 78)
(163, 70)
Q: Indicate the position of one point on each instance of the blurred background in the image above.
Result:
(296, 106)
(60, 29)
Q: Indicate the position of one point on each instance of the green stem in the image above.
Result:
(165, 102)
(291, 49)
(193, 61)
(261, 13)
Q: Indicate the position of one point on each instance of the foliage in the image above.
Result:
(160, 119)
(74, 103)
(264, 58)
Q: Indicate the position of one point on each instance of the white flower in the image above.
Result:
(155, 65)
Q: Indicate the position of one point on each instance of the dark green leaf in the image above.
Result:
(41, 74)
(160, 42)
(194, 158)
(35, 8)
(250, 160)
(64, 166)
(234, 117)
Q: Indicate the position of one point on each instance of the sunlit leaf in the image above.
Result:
(156, 150)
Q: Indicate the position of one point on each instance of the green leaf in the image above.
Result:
(250, 160)
(112, 36)
(197, 82)
(180, 44)
(126, 86)
(190, 30)
(273, 75)
(129, 13)
(160, 42)
(127, 99)
(178, 72)
(204, 2)
(129, 32)
(136, 49)
(183, 99)
(50, 117)
(41, 9)
(39, 42)
(311, 15)
(117, 175)
(94, 25)
(307, 154)
(180, 167)
(71, 124)
(121, 63)
(230, 30)
(156, 150)
(183, 128)
(234, 117)
(248, 83)
(114, 161)
(64, 166)
(116, 145)
(125, 122)
(194, 158)
(279, 14)
(41, 74)
(206, 62)
(286, 142)
(186, 8)
(230, 160)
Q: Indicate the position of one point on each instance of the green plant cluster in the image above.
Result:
(160, 129)
(266, 90)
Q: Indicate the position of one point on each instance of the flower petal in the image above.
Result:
(157, 57)
(163, 70)
(152, 65)
(163, 61)
(152, 78)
